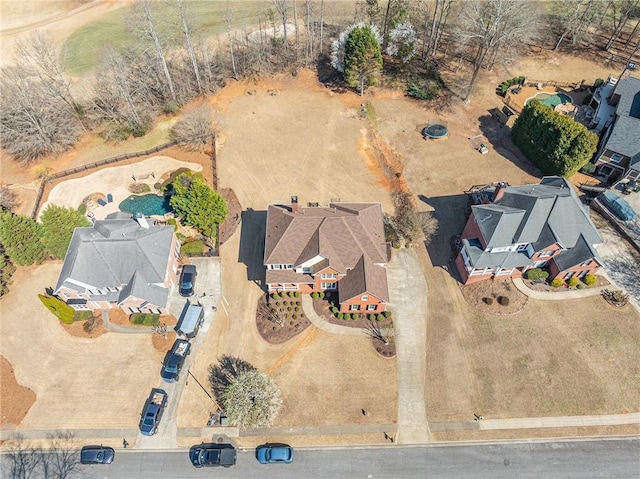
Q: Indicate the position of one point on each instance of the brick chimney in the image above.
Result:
(294, 205)
(499, 191)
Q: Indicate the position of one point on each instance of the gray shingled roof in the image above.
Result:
(549, 211)
(580, 253)
(625, 133)
(505, 259)
(109, 253)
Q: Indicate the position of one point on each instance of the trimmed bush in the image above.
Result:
(580, 286)
(82, 209)
(590, 279)
(174, 223)
(289, 308)
(371, 317)
(355, 316)
(573, 281)
(314, 295)
(347, 316)
(291, 294)
(296, 308)
(536, 274)
(503, 300)
(285, 302)
(380, 317)
(588, 168)
(65, 313)
(193, 248)
(321, 295)
(487, 300)
(145, 319)
(294, 316)
(340, 315)
(557, 283)
(275, 296)
(388, 314)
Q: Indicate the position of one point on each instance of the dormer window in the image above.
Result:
(616, 158)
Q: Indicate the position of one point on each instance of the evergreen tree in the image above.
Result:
(198, 204)
(58, 223)
(21, 238)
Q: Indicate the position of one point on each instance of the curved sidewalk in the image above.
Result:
(558, 295)
(318, 322)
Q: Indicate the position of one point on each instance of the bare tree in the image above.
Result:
(435, 31)
(22, 457)
(227, 19)
(8, 199)
(185, 23)
(488, 25)
(575, 18)
(195, 128)
(148, 29)
(386, 335)
(61, 459)
(273, 314)
(282, 7)
(622, 11)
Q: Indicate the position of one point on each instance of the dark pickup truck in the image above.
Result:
(152, 413)
(212, 455)
(173, 364)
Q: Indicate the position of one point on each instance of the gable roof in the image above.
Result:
(118, 253)
(340, 233)
(580, 253)
(625, 133)
(540, 214)
(365, 277)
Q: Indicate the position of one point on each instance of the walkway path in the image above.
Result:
(408, 293)
(559, 295)
(320, 323)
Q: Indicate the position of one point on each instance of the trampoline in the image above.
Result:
(436, 131)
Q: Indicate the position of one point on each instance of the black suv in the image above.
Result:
(175, 359)
(188, 280)
(212, 455)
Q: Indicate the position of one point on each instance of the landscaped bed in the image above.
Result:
(494, 296)
(283, 322)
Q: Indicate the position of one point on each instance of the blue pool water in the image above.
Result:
(147, 205)
(552, 99)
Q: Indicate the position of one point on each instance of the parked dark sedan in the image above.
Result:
(97, 455)
(212, 454)
(188, 280)
(274, 454)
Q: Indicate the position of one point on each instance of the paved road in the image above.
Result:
(610, 459)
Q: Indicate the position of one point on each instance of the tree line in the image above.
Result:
(169, 61)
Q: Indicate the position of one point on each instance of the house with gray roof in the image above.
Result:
(619, 156)
(338, 249)
(516, 228)
(120, 263)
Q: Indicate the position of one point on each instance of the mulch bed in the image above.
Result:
(387, 351)
(490, 291)
(601, 281)
(274, 333)
(230, 225)
(322, 308)
(15, 400)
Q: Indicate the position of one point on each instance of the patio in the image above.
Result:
(112, 181)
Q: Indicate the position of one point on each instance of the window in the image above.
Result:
(616, 158)
(545, 254)
(364, 298)
(328, 285)
(329, 276)
(306, 270)
(522, 247)
(371, 307)
(354, 307)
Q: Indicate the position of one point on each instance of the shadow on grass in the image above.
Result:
(222, 374)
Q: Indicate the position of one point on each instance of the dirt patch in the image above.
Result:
(15, 400)
(232, 222)
(494, 296)
(274, 333)
(80, 330)
(162, 344)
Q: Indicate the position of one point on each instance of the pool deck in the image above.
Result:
(114, 180)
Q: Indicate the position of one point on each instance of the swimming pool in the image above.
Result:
(551, 99)
(147, 205)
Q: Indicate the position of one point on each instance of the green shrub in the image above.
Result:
(590, 279)
(172, 177)
(557, 283)
(340, 315)
(174, 223)
(387, 314)
(65, 313)
(82, 209)
(296, 294)
(428, 90)
(371, 317)
(289, 308)
(347, 316)
(314, 295)
(380, 317)
(334, 310)
(321, 295)
(181, 237)
(145, 319)
(355, 316)
(275, 296)
(296, 308)
(503, 300)
(487, 300)
(298, 303)
(588, 168)
(536, 274)
(277, 304)
(580, 286)
(573, 281)
(598, 82)
(294, 316)
(193, 248)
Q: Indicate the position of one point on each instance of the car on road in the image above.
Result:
(97, 455)
(175, 359)
(188, 280)
(274, 454)
(212, 455)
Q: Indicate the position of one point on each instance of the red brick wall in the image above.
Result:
(346, 306)
(471, 230)
(578, 270)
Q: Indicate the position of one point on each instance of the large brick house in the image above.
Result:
(120, 263)
(340, 249)
(619, 155)
(515, 228)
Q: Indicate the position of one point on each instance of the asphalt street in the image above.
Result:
(580, 459)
